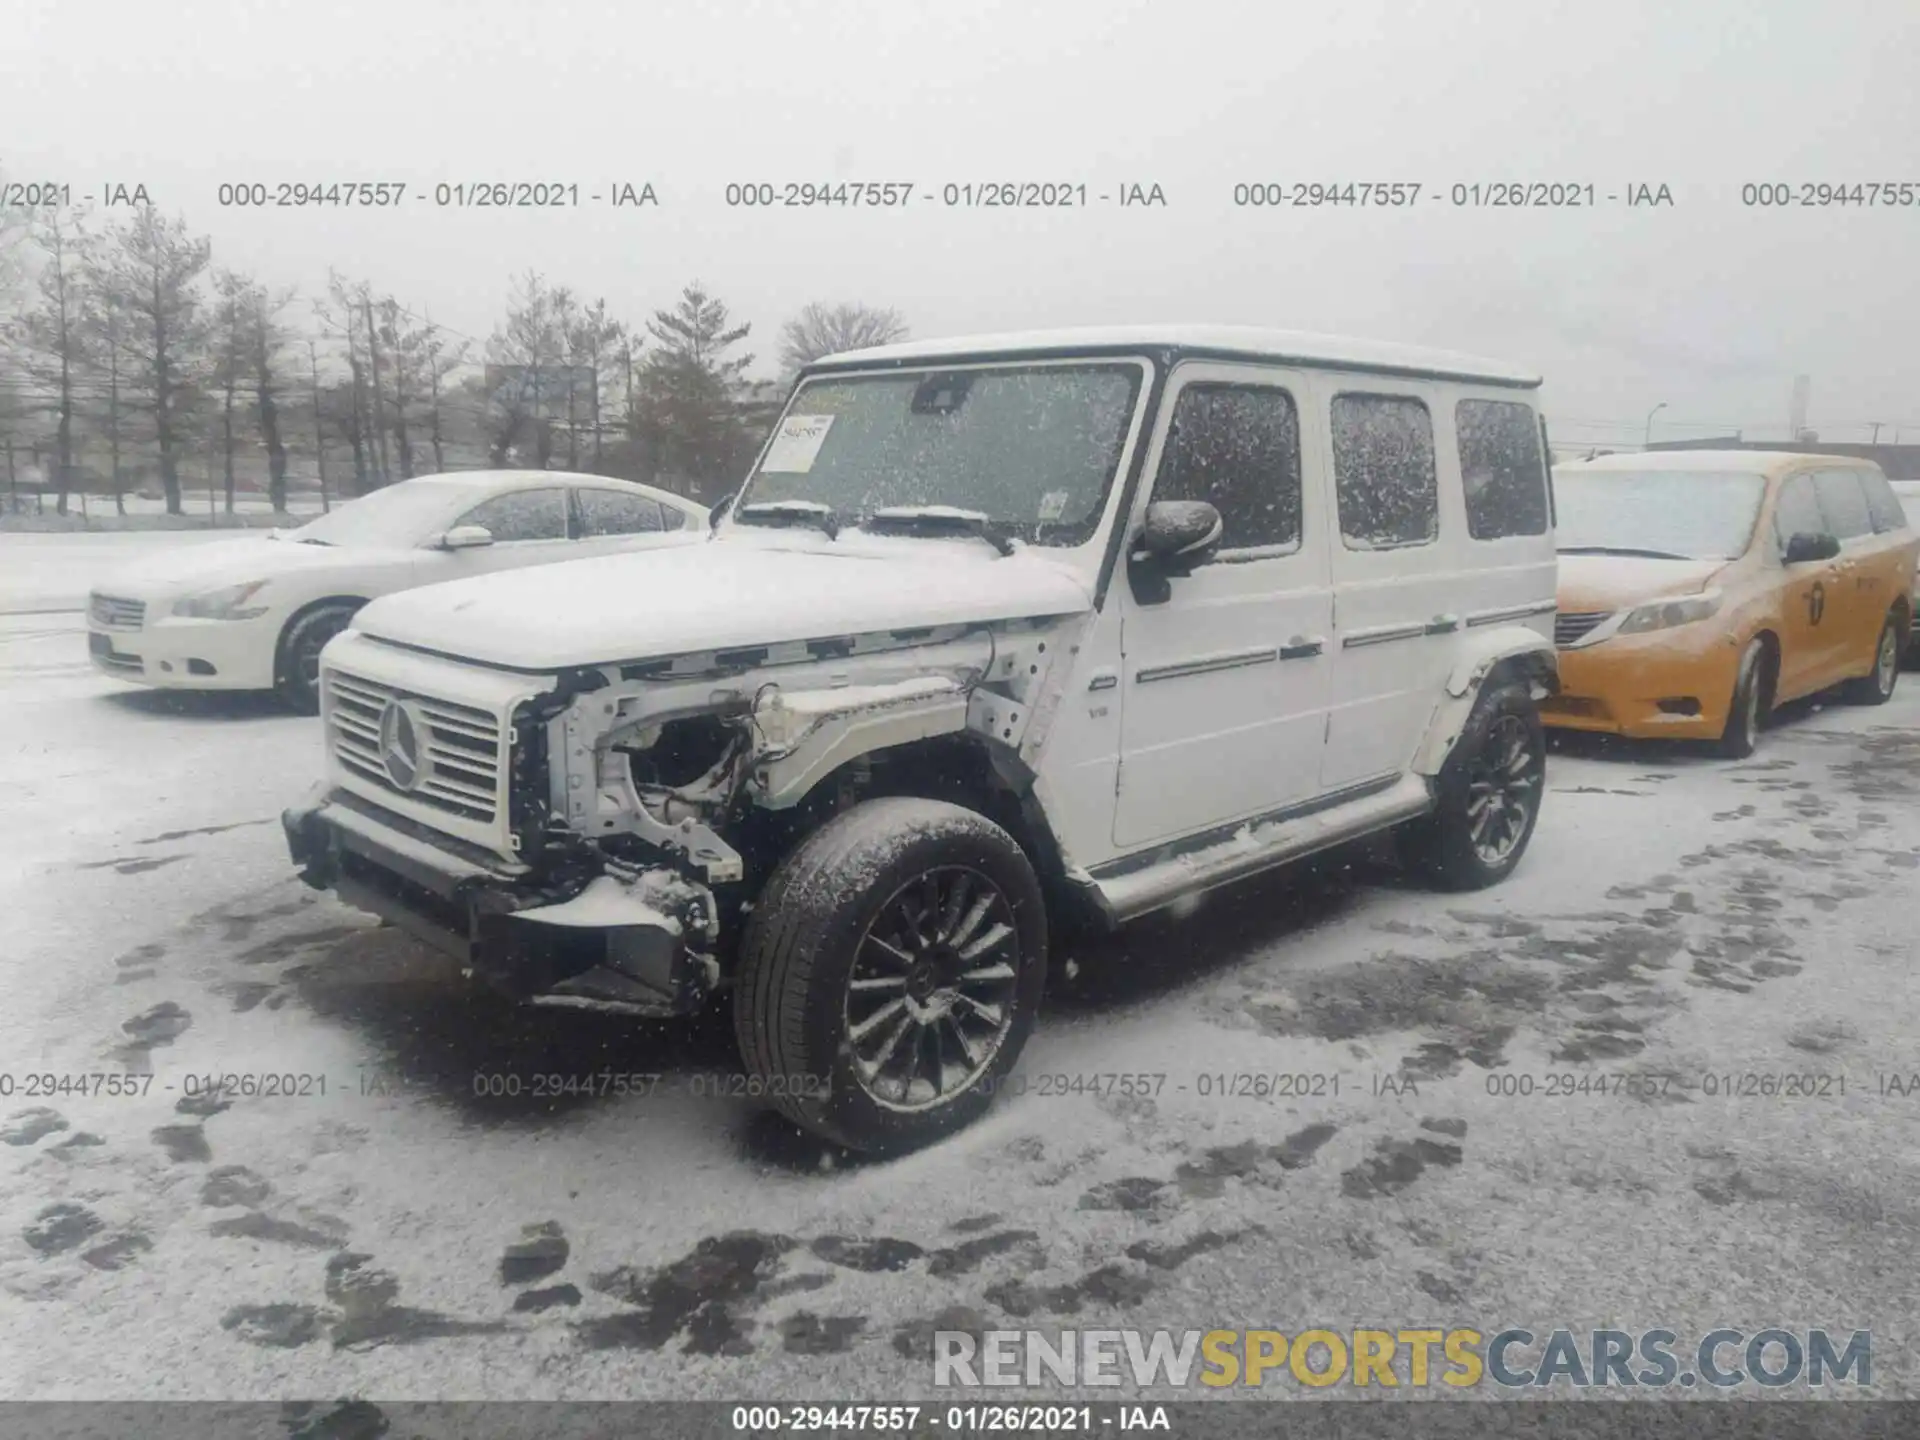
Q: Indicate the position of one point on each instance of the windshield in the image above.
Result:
(1032, 448)
(401, 514)
(1689, 515)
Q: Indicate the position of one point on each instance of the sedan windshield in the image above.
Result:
(402, 514)
(1685, 515)
(1027, 452)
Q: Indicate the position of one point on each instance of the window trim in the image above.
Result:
(1539, 431)
(1782, 538)
(1333, 465)
(1240, 554)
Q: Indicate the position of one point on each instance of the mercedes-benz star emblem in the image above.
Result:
(401, 727)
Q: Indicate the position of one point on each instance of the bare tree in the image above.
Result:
(596, 343)
(340, 313)
(50, 335)
(524, 348)
(230, 362)
(442, 359)
(154, 266)
(269, 341)
(828, 329)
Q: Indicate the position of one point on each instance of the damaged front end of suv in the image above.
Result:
(644, 803)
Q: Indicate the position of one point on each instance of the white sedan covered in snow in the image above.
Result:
(254, 614)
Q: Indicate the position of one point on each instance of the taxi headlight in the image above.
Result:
(1665, 614)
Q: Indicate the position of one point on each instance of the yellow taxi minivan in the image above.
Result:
(1700, 588)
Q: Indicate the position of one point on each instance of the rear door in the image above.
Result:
(1861, 592)
(1224, 678)
(607, 520)
(1397, 566)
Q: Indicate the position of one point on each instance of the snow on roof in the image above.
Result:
(1250, 340)
(1750, 462)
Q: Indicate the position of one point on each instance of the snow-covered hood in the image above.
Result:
(192, 568)
(1590, 583)
(722, 595)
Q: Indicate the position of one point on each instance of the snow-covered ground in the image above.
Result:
(407, 1234)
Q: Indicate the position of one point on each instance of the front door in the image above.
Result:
(1808, 600)
(529, 527)
(1224, 675)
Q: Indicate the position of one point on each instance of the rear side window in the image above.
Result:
(1383, 471)
(1882, 504)
(1798, 511)
(675, 519)
(1844, 502)
(612, 512)
(1237, 447)
(1502, 468)
(522, 515)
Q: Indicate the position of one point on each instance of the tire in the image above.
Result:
(297, 659)
(1747, 710)
(1876, 686)
(848, 907)
(1500, 758)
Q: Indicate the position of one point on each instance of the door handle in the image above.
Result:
(1301, 647)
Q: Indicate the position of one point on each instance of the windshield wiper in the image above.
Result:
(791, 512)
(915, 517)
(1621, 550)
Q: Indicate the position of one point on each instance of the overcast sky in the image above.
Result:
(1707, 305)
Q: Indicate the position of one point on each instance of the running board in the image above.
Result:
(1259, 845)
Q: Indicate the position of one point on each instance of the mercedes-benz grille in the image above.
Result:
(451, 762)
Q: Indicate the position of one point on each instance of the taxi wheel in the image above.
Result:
(1876, 686)
(1748, 710)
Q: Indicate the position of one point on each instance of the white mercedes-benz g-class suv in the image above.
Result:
(1001, 635)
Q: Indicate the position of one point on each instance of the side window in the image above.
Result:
(1843, 502)
(1503, 469)
(613, 512)
(523, 515)
(1383, 471)
(1797, 511)
(1238, 447)
(1882, 504)
(674, 519)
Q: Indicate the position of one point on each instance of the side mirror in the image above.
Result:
(1806, 547)
(466, 537)
(1178, 534)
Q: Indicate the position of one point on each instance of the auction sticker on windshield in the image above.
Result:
(796, 445)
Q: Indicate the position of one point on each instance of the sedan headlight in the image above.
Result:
(227, 603)
(1665, 614)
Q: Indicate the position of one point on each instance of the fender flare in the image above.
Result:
(1480, 655)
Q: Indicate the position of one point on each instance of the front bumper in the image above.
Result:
(1675, 683)
(599, 953)
(183, 654)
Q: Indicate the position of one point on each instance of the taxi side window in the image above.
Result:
(1797, 512)
(1844, 503)
(1882, 503)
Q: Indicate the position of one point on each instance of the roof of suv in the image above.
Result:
(1227, 341)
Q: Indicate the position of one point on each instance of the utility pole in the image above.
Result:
(1648, 445)
(319, 436)
(373, 357)
(1876, 430)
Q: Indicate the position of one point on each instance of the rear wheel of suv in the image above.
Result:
(296, 665)
(1876, 686)
(1488, 795)
(890, 973)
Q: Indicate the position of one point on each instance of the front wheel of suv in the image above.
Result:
(890, 974)
(1488, 795)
